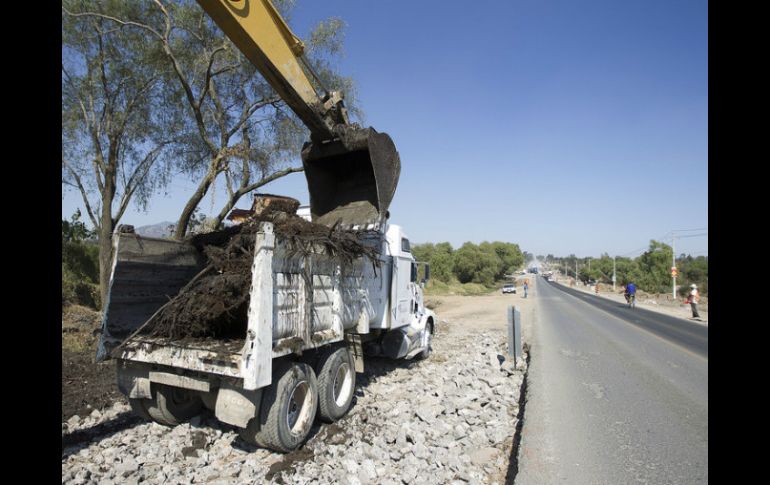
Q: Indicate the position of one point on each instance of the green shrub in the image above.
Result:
(80, 274)
(435, 287)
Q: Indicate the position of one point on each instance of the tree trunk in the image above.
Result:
(184, 219)
(231, 201)
(105, 262)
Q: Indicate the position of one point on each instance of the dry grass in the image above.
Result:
(77, 325)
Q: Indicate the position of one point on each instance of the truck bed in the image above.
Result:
(297, 302)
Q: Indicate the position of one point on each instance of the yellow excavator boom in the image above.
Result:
(259, 31)
(351, 172)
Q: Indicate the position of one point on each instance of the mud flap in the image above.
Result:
(236, 406)
(352, 179)
(356, 349)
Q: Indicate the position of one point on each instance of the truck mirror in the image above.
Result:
(427, 272)
(413, 277)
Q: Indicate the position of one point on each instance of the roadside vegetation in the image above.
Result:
(79, 265)
(650, 271)
(470, 269)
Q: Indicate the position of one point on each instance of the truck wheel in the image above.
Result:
(336, 383)
(138, 406)
(426, 352)
(287, 410)
(173, 405)
(209, 400)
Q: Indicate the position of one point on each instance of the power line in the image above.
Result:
(636, 251)
(690, 230)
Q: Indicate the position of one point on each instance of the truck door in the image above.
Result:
(402, 286)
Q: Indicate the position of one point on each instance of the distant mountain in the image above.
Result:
(155, 230)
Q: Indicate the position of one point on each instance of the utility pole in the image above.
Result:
(613, 274)
(673, 264)
(576, 279)
(673, 252)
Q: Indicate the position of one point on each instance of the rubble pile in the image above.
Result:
(448, 419)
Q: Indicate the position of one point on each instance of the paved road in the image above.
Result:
(614, 395)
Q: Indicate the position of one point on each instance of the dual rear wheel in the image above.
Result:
(299, 393)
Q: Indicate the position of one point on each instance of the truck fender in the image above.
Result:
(427, 318)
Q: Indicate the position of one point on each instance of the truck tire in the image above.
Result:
(287, 411)
(139, 407)
(426, 352)
(172, 405)
(336, 383)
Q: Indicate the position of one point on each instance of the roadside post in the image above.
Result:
(514, 334)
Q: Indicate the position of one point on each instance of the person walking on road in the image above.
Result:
(526, 287)
(694, 300)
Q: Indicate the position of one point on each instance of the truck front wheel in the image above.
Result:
(336, 383)
(428, 341)
(287, 411)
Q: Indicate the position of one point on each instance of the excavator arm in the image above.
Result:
(351, 172)
(258, 30)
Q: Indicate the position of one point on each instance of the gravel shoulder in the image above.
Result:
(449, 419)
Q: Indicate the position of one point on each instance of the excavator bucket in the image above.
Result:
(352, 179)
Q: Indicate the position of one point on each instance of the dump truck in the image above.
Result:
(311, 315)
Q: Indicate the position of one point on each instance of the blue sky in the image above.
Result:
(563, 126)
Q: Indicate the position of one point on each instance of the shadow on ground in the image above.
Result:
(73, 442)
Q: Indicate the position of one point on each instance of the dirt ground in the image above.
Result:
(85, 385)
(487, 311)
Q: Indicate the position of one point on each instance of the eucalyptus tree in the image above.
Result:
(234, 124)
(117, 134)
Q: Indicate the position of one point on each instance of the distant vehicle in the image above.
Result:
(550, 278)
(509, 289)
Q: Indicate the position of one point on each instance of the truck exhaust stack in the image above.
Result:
(352, 179)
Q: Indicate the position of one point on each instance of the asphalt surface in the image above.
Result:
(614, 395)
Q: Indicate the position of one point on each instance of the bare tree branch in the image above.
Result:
(250, 111)
(207, 79)
(83, 193)
(270, 178)
(114, 19)
(249, 188)
(81, 103)
(140, 172)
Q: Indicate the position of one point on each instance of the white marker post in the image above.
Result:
(514, 334)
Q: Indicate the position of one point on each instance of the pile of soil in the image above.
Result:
(215, 303)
